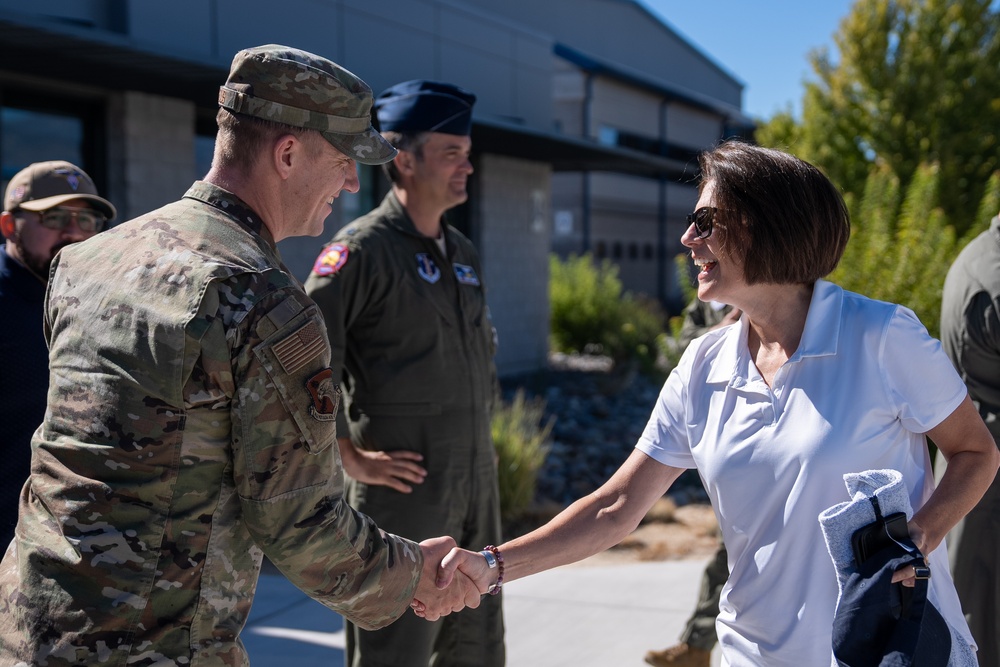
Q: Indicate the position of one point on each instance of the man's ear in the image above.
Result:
(404, 162)
(7, 224)
(286, 150)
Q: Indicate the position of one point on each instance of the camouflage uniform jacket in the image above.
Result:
(189, 428)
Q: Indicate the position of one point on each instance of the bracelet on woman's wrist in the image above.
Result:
(494, 559)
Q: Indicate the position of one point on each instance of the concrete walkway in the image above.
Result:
(577, 616)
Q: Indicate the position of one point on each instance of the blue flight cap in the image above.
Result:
(425, 106)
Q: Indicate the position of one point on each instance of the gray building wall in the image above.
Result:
(648, 82)
(152, 151)
(515, 210)
(625, 33)
(502, 51)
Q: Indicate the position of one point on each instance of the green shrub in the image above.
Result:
(590, 312)
(521, 442)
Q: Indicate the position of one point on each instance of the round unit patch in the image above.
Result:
(331, 261)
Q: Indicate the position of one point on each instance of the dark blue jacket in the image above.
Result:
(24, 383)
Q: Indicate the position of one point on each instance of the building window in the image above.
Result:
(37, 128)
(647, 251)
(616, 250)
(610, 136)
(205, 129)
(607, 136)
(600, 250)
(633, 251)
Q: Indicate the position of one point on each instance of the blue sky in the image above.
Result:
(764, 44)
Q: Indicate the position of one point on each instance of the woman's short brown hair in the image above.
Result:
(778, 214)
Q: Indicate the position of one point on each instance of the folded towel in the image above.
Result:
(878, 624)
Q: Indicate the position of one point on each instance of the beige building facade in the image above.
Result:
(577, 146)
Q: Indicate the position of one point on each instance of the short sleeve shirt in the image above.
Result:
(864, 385)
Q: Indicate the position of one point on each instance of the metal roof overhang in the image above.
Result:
(566, 153)
(79, 56)
(697, 100)
(82, 56)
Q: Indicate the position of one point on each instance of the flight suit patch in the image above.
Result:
(466, 274)
(325, 394)
(331, 261)
(427, 269)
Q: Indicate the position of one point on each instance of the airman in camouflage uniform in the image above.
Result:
(405, 306)
(190, 427)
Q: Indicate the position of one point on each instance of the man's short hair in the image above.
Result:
(411, 142)
(778, 214)
(241, 138)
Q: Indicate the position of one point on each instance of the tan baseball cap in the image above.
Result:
(42, 185)
(300, 89)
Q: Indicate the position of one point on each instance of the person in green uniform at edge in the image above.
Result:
(405, 306)
(190, 426)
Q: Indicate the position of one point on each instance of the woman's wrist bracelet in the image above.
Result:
(495, 560)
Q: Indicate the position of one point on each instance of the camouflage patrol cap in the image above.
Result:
(300, 89)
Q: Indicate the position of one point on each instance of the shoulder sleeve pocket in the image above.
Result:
(287, 407)
(296, 359)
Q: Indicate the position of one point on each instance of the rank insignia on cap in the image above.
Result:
(331, 261)
(427, 269)
(466, 274)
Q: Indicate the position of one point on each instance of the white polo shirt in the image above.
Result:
(866, 382)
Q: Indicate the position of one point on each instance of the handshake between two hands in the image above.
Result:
(452, 579)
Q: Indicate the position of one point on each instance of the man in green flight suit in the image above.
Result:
(190, 427)
(405, 307)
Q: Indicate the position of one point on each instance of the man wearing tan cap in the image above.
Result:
(47, 206)
(190, 429)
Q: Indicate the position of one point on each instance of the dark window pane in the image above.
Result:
(35, 136)
(204, 147)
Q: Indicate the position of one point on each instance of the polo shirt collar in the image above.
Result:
(820, 337)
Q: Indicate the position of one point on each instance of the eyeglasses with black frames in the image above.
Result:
(703, 220)
(58, 218)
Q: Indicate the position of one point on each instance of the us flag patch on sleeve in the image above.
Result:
(295, 351)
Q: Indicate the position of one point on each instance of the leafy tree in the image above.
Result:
(781, 131)
(916, 82)
(903, 251)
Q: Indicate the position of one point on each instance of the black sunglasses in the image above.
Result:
(58, 218)
(702, 219)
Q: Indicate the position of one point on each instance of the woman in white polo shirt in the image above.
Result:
(813, 382)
